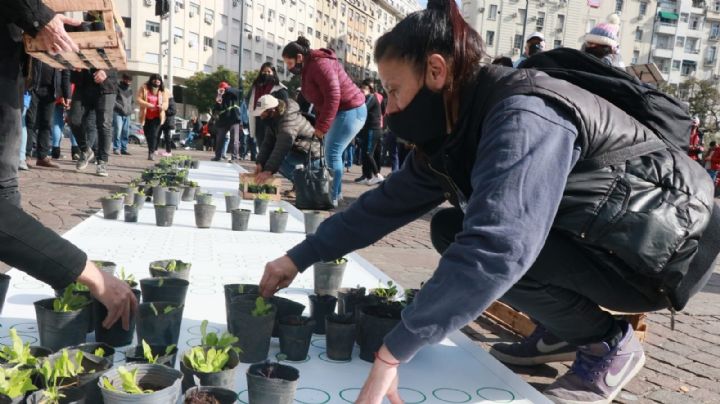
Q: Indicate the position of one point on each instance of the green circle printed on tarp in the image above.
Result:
(495, 394)
(307, 359)
(450, 395)
(344, 391)
(240, 399)
(418, 400)
(323, 357)
(319, 343)
(315, 396)
(195, 330)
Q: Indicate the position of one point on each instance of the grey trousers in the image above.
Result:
(10, 137)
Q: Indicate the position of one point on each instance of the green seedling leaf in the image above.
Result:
(18, 353)
(168, 309)
(147, 353)
(208, 360)
(15, 382)
(99, 352)
(262, 308)
(69, 301)
(154, 309)
(212, 340)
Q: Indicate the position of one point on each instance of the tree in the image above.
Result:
(293, 84)
(703, 100)
(248, 79)
(202, 87)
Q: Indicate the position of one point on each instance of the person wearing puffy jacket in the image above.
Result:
(339, 103)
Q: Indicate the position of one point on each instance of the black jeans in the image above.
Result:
(259, 131)
(80, 121)
(10, 136)
(166, 133)
(43, 103)
(563, 290)
(152, 133)
(369, 145)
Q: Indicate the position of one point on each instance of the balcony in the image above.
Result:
(663, 53)
(712, 12)
(664, 28)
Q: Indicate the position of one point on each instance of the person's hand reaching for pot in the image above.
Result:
(112, 292)
(278, 274)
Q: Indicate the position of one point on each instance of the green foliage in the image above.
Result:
(193, 184)
(207, 360)
(18, 353)
(387, 293)
(147, 352)
(202, 87)
(339, 261)
(280, 210)
(212, 340)
(248, 78)
(172, 266)
(69, 301)
(78, 287)
(129, 279)
(116, 196)
(63, 367)
(703, 100)
(262, 308)
(263, 197)
(129, 382)
(15, 382)
(293, 84)
(166, 310)
(99, 352)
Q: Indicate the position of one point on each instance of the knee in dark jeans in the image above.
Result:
(444, 225)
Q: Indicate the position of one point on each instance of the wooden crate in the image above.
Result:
(247, 179)
(521, 324)
(98, 49)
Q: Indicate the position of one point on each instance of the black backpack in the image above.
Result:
(666, 116)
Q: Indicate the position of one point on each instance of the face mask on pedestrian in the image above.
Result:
(155, 84)
(422, 120)
(266, 79)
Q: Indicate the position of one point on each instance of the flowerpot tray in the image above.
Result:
(247, 179)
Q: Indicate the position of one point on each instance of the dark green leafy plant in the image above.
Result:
(69, 301)
(212, 340)
(147, 352)
(388, 293)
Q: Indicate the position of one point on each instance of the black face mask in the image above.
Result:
(153, 85)
(421, 121)
(124, 85)
(266, 79)
(297, 69)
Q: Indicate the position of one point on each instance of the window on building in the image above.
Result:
(260, 34)
(222, 46)
(540, 22)
(695, 22)
(192, 66)
(246, 54)
(684, 17)
(325, 38)
(557, 43)
(281, 41)
(268, 59)
(209, 16)
(688, 68)
(247, 28)
(638, 34)
(716, 6)
(208, 69)
(261, 10)
(318, 34)
(193, 39)
(590, 25)
(194, 9)
(676, 65)
(224, 21)
(309, 30)
(235, 27)
(342, 9)
(258, 57)
(619, 6)
(151, 57)
(271, 14)
(664, 42)
(663, 65)
(691, 45)
(281, 19)
(680, 42)
(560, 22)
(301, 28)
(342, 26)
(179, 32)
(311, 11)
(207, 41)
(291, 26)
(177, 62)
(635, 57)
(521, 16)
(301, 7)
(271, 41)
(489, 38)
(235, 49)
(715, 30)
(152, 26)
(334, 23)
(492, 13)
(710, 54)
(518, 42)
(643, 8)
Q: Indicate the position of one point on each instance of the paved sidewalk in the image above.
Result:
(683, 366)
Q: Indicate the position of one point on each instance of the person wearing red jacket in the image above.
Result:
(339, 103)
(696, 144)
(712, 161)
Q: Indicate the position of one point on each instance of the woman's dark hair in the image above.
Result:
(438, 29)
(276, 79)
(301, 46)
(369, 84)
(503, 61)
(154, 77)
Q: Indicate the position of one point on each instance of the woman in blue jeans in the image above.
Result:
(338, 102)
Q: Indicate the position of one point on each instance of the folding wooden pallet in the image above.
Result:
(98, 49)
(519, 323)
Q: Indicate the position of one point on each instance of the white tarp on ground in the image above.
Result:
(455, 371)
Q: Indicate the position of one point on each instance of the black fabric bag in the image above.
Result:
(312, 185)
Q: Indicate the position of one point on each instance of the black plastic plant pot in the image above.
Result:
(254, 333)
(94, 367)
(59, 330)
(5, 399)
(112, 208)
(410, 295)
(204, 199)
(98, 26)
(164, 215)
(157, 269)
(312, 221)
(172, 197)
(204, 215)
(295, 336)
(328, 277)
(188, 194)
(321, 307)
(4, 284)
(261, 206)
(164, 357)
(285, 307)
(375, 323)
(234, 290)
(116, 335)
(225, 378)
(131, 213)
(139, 200)
(73, 395)
(339, 336)
(158, 195)
(232, 202)
(278, 221)
(164, 381)
(164, 289)
(92, 347)
(271, 383)
(203, 394)
(161, 328)
(195, 164)
(240, 219)
(348, 298)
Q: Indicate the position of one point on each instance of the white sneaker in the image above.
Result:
(335, 203)
(375, 180)
(363, 181)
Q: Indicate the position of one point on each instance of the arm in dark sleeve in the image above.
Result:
(329, 84)
(407, 195)
(266, 147)
(523, 159)
(284, 140)
(281, 94)
(30, 15)
(65, 87)
(36, 250)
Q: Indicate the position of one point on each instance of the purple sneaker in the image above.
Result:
(540, 347)
(599, 373)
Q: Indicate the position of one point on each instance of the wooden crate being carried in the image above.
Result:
(247, 183)
(98, 49)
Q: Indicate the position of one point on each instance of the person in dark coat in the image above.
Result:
(370, 137)
(229, 120)
(168, 127)
(267, 82)
(48, 85)
(121, 119)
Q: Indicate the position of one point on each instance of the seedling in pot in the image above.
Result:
(127, 278)
(262, 308)
(388, 293)
(62, 368)
(116, 196)
(263, 196)
(280, 210)
(212, 340)
(15, 382)
(147, 352)
(172, 266)
(341, 261)
(208, 360)
(69, 301)
(78, 287)
(129, 382)
(270, 366)
(99, 352)
(19, 353)
(166, 310)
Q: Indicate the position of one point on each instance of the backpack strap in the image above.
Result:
(620, 156)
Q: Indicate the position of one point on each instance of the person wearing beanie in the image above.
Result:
(602, 42)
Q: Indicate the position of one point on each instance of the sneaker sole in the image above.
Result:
(532, 361)
(81, 167)
(630, 376)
